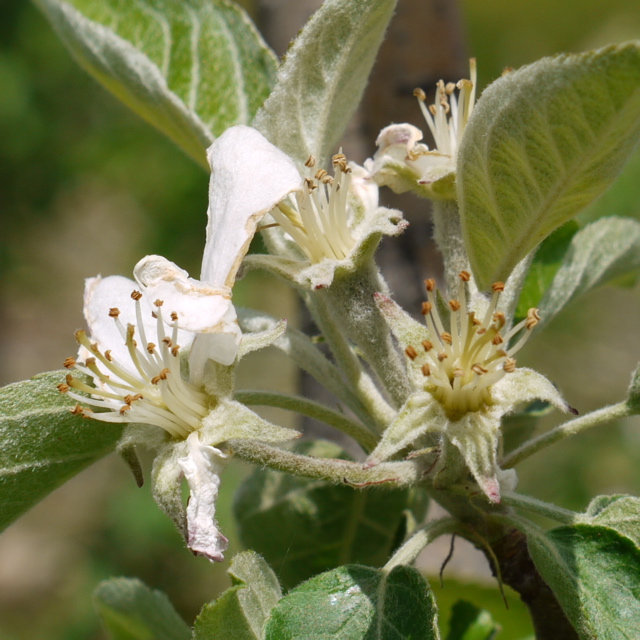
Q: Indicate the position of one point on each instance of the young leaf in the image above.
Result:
(469, 622)
(42, 443)
(192, 68)
(132, 611)
(304, 526)
(357, 603)
(595, 574)
(542, 143)
(603, 251)
(240, 612)
(323, 76)
(619, 512)
(545, 265)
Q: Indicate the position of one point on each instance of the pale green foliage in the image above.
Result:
(619, 512)
(241, 611)
(595, 574)
(42, 444)
(132, 611)
(602, 251)
(542, 143)
(357, 603)
(192, 68)
(633, 399)
(321, 80)
(468, 622)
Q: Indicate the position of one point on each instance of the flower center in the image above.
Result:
(462, 364)
(316, 217)
(149, 389)
(448, 116)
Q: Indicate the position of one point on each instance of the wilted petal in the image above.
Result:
(200, 307)
(249, 176)
(202, 467)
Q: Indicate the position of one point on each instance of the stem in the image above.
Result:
(447, 232)
(571, 428)
(311, 409)
(350, 364)
(395, 474)
(410, 550)
(540, 507)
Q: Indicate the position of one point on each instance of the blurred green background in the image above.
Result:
(88, 188)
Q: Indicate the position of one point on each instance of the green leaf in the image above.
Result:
(42, 443)
(304, 526)
(132, 611)
(469, 622)
(633, 393)
(618, 512)
(544, 267)
(357, 603)
(240, 612)
(595, 574)
(192, 68)
(603, 251)
(542, 143)
(323, 76)
(622, 199)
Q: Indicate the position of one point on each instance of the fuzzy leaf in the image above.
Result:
(323, 76)
(595, 574)
(192, 68)
(542, 143)
(357, 603)
(241, 611)
(618, 512)
(42, 444)
(132, 611)
(303, 526)
(603, 251)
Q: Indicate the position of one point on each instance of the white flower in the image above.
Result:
(134, 359)
(317, 222)
(465, 380)
(403, 163)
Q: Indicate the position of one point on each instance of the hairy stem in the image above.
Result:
(571, 428)
(538, 506)
(312, 409)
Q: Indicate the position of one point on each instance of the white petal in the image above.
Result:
(202, 467)
(102, 294)
(200, 308)
(248, 177)
(405, 135)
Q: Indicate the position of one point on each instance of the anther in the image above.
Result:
(158, 303)
(458, 373)
(136, 295)
(533, 318)
(454, 305)
(108, 356)
(63, 387)
(449, 88)
(151, 348)
(175, 350)
(174, 316)
(114, 312)
(497, 339)
(161, 376)
(442, 356)
(320, 174)
(509, 365)
(79, 411)
(426, 308)
(411, 352)
(479, 369)
(311, 161)
(420, 94)
(427, 344)
(465, 276)
(497, 286)
(168, 342)
(499, 319)
(124, 408)
(69, 363)
(430, 284)
(446, 337)
(426, 371)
